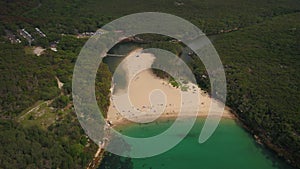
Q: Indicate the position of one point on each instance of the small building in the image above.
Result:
(11, 37)
(85, 34)
(53, 46)
(26, 35)
(40, 32)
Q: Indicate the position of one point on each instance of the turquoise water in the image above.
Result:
(229, 148)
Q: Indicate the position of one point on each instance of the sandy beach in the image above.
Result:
(147, 93)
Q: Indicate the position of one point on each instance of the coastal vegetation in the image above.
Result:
(261, 63)
(262, 70)
(258, 42)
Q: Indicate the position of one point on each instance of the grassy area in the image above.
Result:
(41, 115)
(28, 50)
(174, 83)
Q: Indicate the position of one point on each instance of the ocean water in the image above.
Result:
(230, 147)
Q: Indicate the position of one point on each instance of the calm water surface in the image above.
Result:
(229, 148)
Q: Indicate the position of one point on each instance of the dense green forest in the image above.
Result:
(258, 42)
(63, 145)
(50, 137)
(73, 16)
(262, 70)
(24, 80)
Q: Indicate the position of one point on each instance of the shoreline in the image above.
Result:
(231, 114)
(139, 89)
(126, 123)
